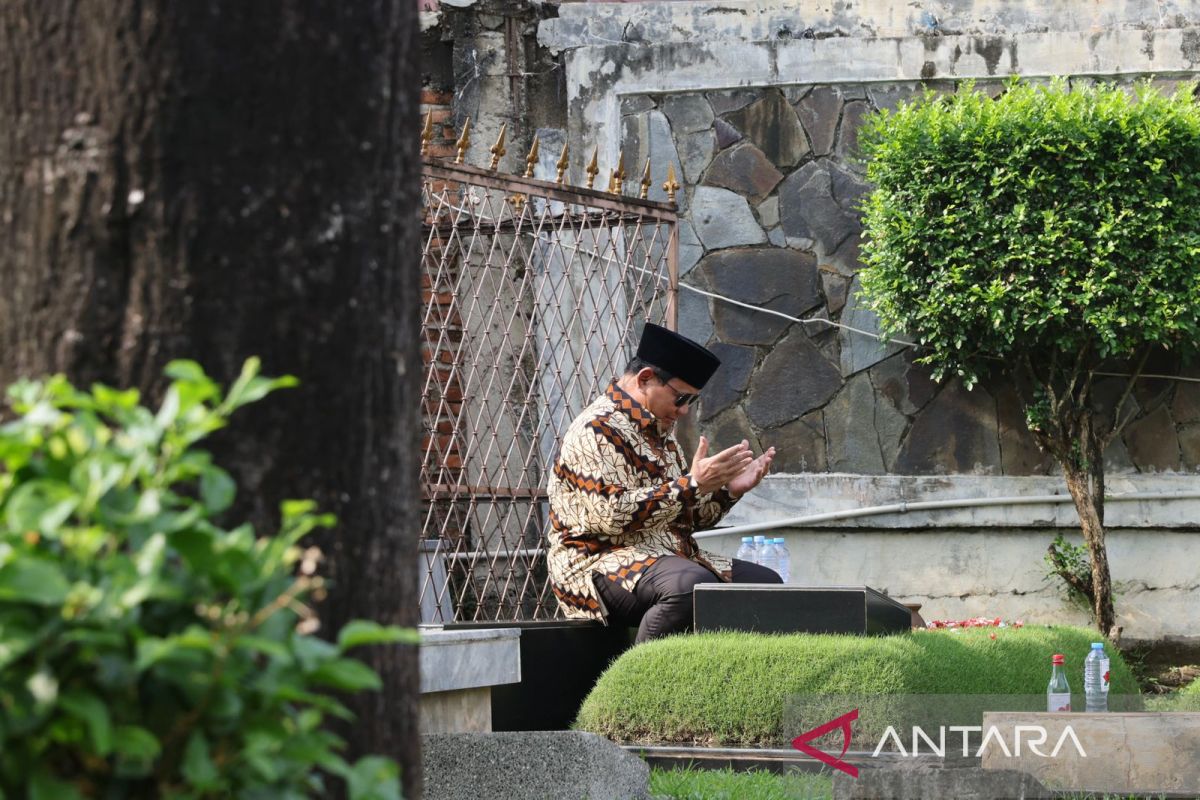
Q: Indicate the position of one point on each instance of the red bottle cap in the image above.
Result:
(1059, 659)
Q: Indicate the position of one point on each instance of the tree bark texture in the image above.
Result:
(1083, 493)
(219, 179)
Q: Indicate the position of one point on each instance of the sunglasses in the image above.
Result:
(681, 399)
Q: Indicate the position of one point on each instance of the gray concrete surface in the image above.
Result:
(542, 765)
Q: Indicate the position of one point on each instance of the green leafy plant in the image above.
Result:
(1049, 237)
(1070, 563)
(146, 651)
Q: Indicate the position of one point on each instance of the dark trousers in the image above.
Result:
(661, 602)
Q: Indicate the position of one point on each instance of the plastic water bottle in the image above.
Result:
(746, 551)
(1095, 679)
(760, 546)
(769, 557)
(1058, 693)
(783, 559)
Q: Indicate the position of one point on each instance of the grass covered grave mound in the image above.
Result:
(742, 689)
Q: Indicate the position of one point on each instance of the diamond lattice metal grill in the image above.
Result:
(535, 294)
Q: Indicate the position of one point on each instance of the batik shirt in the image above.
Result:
(620, 499)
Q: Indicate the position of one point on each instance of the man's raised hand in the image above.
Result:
(713, 472)
(752, 475)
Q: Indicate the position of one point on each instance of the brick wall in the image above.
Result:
(444, 135)
(441, 444)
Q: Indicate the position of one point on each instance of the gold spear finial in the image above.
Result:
(427, 133)
(561, 166)
(464, 141)
(645, 181)
(671, 186)
(497, 150)
(616, 183)
(532, 158)
(593, 168)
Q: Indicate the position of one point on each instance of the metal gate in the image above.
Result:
(535, 292)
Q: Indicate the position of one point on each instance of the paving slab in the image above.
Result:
(537, 765)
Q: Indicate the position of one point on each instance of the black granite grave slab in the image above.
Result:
(771, 608)
(560, 662)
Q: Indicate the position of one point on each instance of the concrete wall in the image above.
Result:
(987, 561)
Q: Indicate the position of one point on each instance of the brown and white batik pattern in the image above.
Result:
(620, 499)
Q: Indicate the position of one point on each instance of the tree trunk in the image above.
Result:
(219, 179)
(1080, 486)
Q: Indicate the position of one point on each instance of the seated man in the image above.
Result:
(624, 505)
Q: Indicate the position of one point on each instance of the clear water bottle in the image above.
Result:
(1095, 679)
(1058, 693)
(760, 544)
(768, 557)
(746, 551)
(783, 559)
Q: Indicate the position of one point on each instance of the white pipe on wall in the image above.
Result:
(931, 505)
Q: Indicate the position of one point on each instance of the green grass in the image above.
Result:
(740, 689)
(1185, 699)
(725, 784)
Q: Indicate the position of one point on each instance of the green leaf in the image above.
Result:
(217, 489)
(169, 410)
(150, 557)
(293, 509)
(319, 701)
(136, 750)
(346, 675)
(196, 547)
(40, 505)
(14, 643)
(250, 387)
(186, 370)
(44, 786)
(32, 580)
(312, 652)
(152, 650)
(94, 713)
(198, 767)
(191, 646)
(365, 632)
(111, 400)
(261, 644)
(373, 778)
(236, 568)
(149, 504)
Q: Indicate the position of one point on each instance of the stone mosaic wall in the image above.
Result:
(769, 219)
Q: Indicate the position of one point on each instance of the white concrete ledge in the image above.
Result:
(580, 24)
(469, 659)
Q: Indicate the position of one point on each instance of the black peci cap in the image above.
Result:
(677, 355)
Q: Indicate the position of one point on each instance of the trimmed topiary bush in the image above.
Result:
(741, 689)
(1048, 237)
